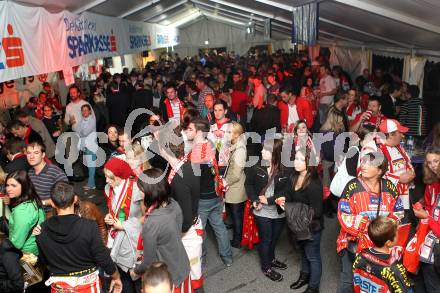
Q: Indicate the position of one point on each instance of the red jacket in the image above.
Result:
(303, 107)
(432, 192)
(239, 101)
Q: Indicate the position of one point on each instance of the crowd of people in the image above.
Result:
(175, 157)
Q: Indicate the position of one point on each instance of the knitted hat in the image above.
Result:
(119, 168)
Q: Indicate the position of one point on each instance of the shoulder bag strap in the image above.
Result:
(33, 227)
(229, 162)
(380, 197)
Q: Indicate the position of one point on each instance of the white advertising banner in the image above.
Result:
(34, 41)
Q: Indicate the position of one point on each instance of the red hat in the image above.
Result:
(119, 168)
(391, 125)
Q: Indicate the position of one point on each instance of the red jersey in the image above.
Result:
(358, 206)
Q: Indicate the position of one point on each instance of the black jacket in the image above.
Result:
(257, 179)
(11, 275)
(266, 118)
(388, 107)
(311, 195)
(186, 191)
(71, 244)
(16, 164)
(142, 99)
(118, 105)
(102, 116)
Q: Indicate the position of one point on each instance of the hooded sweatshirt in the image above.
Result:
(11, 275)
(161, 234)
(71, 244)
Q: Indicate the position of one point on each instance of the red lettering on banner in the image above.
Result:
(13, 49)
(113, 42)
(42, 77)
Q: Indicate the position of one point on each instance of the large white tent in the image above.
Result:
(354, 30)
(394, 26)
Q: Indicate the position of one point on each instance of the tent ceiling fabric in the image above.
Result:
(410, 24)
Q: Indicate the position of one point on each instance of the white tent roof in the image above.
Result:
(408, 25)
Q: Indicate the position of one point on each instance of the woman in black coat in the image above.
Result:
(306, 187)
(11, 275)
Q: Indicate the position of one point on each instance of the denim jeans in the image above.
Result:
(236, 212)
(346, 276)
(212, 210)
(269, 231)
(430, 277)
(90, 160)
(311, 263)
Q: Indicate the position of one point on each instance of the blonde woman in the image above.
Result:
(137, 158)
(234, 177)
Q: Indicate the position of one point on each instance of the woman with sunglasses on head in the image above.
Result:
(306, 188)
(431, 203)
(263, 182)
(364, 198)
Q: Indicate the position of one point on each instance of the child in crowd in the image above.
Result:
(374, 268)
(157, 279)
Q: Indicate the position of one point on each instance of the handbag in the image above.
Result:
(341, 178)
(32, 269)
(411, 256)
(250, 232)
(436, 251)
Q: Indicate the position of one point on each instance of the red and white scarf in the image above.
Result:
(176, 168)
(169, 108)
(123, 201)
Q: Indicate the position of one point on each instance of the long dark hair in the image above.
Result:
(276, 161)
(28, 192)
(312, 172)
(157, 193)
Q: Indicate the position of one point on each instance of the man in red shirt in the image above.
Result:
(239, 99)
(372, 116)
(292, 109)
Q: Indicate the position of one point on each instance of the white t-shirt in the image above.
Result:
(74, 109)
(293, 115)
(327, 84)
(176, 110)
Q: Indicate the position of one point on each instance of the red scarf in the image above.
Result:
(220, 125)
(124, 202)
(179, 164)
(170, 108)
(202, 157)
(140, 244)
(26, 136)
(350, 109)
(18, 155)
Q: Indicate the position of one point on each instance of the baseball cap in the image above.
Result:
(391, 125)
